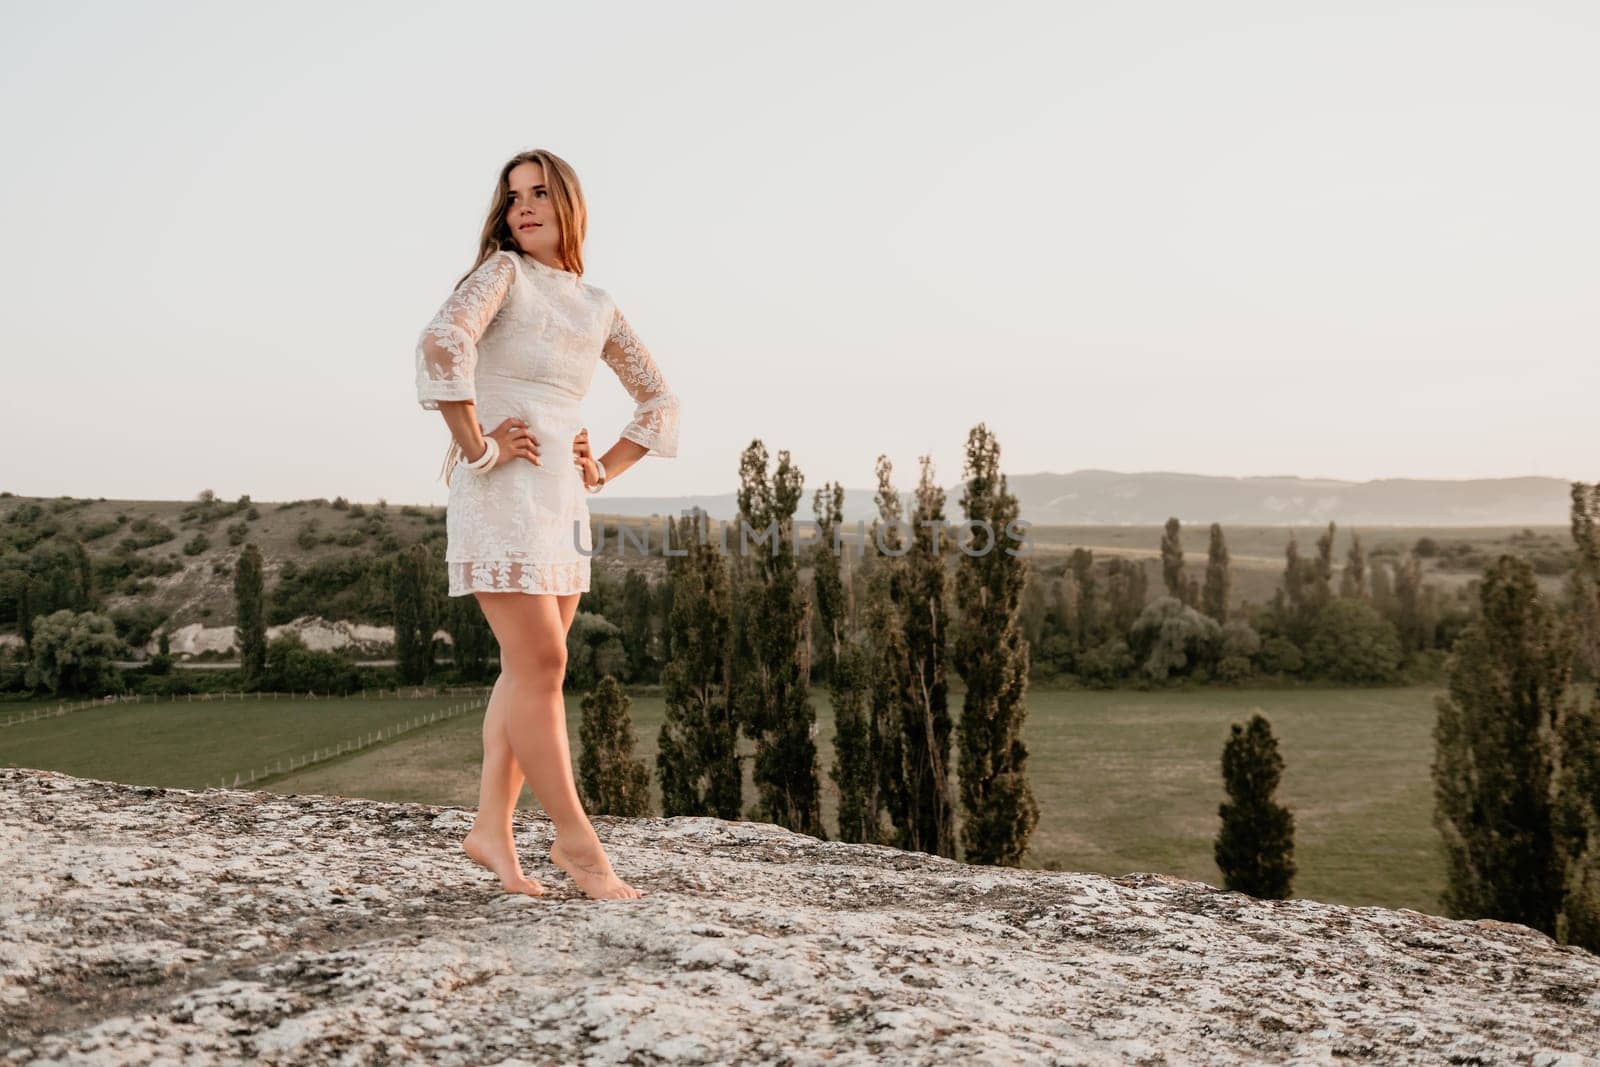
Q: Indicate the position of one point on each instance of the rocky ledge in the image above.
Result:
(146, 925)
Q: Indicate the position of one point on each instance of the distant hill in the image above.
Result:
(1151, 497)
(174, 560)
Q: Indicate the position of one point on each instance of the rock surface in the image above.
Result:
(140, 925)
(319, 634)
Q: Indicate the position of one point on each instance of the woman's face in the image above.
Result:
(529, 212)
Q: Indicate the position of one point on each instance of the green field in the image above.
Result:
(1125, 781)
(192, 745)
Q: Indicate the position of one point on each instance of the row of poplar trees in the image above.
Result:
(739, 631)
(1516, 770)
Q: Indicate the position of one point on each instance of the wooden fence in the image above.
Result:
(405, 692)
(344, 748)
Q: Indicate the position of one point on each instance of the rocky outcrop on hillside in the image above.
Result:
(142, 925)
(319, 634)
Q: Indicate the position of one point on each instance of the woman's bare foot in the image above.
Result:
(498, 853)
(590, 868)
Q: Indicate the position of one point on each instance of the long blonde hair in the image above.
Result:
(572, 213)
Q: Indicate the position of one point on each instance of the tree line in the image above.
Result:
(1516, 767)
(1516, 762)
(740, 660)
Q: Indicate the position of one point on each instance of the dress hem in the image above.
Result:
(517, 576)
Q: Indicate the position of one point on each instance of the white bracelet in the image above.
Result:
(596, 487)
(490, 454)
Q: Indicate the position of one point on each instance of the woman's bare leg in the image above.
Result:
(491, 842)
(531, 630)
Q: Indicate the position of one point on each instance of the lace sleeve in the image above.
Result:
(447, 351)
(655, 414)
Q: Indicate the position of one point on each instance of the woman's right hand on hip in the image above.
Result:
(516, 440)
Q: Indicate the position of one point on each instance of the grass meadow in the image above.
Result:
(193, 745)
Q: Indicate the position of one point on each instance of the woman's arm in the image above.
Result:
(447, 351)
(447, 354)
(654, 425)
(462, 418)
(618, 458)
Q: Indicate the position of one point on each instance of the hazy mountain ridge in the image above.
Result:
(1151, 497)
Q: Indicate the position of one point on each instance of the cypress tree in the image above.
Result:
(413, 617)
(1124, 599)
(471, 639)
(1254, 848)
(697, 758)
(1321, 584)
(1584, 579)
(1409, 606)
(889, 660)
(1381, 577)
(1578, 775)
(1304, 588)
(1091, 629)
(636, 616)
(774, 700)
(1578, 825)
(1172, 560)
(1064, 606)
(1138, 590)
(250, 607)
(610, 779)
(80, 559)
(1353, 583)
(1293, 577)
(1114, 599)
(1495, 754)
(842, 663)
(828, 586)
(992, 657)
(926, 720)
(1218, 579)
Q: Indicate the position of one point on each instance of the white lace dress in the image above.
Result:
(520, 338)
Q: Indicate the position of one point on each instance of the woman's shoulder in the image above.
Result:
(595, 292)
(497, 269)
(504, 256)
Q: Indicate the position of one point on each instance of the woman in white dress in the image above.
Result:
(515, 347)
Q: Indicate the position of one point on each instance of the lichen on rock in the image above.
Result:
(142, 925)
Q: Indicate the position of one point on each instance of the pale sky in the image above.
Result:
(1349, 240)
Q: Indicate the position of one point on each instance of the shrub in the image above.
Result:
(1351, 642)
(594, 649)
(1279, 655)
(1173, 638)
(136, 624)
(294, 668)
(145, 532)
(1240, 646)
(1234, 669)
(73, 653)
(1100, 667)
